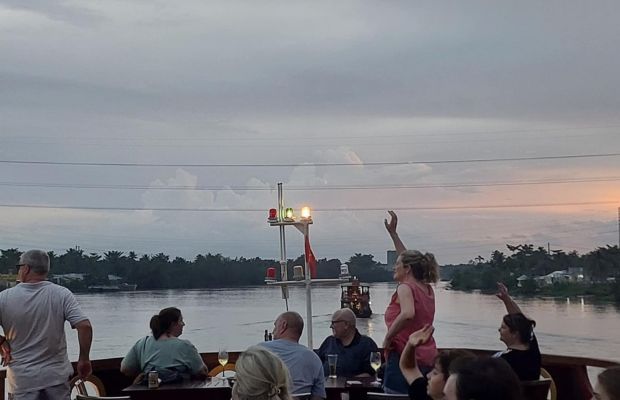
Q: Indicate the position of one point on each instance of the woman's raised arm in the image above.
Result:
(391, 228)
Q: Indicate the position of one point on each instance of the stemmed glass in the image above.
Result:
(375, 363)
(222, 357)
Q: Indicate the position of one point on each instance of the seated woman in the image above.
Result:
(517, 332)
(482, 378)
(608, 385)
(431, 386)
(164, 352)
(261, 375)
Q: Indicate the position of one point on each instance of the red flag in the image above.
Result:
(310, 258)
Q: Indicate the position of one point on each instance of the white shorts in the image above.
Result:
(58, 392)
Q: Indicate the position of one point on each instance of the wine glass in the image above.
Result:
(375, 363)
(222, 358)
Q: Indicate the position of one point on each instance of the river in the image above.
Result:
(236, 318)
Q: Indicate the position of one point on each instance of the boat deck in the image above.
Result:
(569, 373)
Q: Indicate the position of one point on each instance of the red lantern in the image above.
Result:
(271, 274)
(273, 215)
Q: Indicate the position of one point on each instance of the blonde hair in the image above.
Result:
(260, 375)
(424, 267)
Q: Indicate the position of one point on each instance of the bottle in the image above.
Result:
(266, 336)
(270, 337)
(153, 380)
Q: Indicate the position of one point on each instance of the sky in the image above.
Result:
(481, 123)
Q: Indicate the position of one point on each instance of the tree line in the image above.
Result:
(600, 267)
(599, 270)
(159, 271)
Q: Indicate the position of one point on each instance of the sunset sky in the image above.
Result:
(415, 107)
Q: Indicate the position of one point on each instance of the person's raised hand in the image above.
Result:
(391, 226)
(421, 336)
(502, 291)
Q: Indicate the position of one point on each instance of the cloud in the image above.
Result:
(284, 82)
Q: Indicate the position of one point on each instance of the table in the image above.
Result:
(334, 387)
(220, 389)
(211, 388)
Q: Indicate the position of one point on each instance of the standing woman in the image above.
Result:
(411, 308)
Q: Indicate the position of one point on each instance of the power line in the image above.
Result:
(314, 188)
(331, 209)
(259, 136)
(330, 164)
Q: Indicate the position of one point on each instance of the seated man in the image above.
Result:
(305, 368)
(352, 348)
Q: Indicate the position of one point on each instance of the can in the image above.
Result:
(153, 380)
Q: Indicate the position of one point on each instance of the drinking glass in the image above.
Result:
(222, 357)
(332, 361)
(375, 363)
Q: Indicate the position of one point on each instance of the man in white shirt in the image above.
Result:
(33, 315)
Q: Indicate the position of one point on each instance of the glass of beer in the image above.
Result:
(332, 361)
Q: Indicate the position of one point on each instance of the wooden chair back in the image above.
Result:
(217, 371)
(536, 390)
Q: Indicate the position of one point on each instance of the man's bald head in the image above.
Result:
(289, 325)
(347, 315)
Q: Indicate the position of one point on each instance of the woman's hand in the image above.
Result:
(421, 336)
(391, 226)
(502, 292)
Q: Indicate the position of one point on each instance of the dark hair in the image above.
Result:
(610, 381)
(523, 325)
(445, 358)
(484, 378)
(423, 266)
(161, 323)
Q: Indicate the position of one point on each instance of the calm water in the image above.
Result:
(237, 318)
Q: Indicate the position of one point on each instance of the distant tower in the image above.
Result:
(391, 256)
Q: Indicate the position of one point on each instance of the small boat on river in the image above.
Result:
(113, 288)
(356, 296)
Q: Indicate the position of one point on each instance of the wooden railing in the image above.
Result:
(569, 373)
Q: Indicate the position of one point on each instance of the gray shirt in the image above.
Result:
(33, 317)
(304, 366)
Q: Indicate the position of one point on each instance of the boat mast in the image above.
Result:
(303, 225)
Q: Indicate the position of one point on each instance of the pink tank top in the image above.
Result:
(424, 303)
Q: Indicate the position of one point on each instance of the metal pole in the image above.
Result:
(283, 272)
(308, 289)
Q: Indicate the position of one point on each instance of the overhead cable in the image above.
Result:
(339, 209)
(312, 164)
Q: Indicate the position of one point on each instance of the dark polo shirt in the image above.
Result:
(353, 359)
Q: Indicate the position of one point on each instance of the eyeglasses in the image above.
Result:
(20, 265)
(336, 321)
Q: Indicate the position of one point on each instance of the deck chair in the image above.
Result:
(91, 384)
(386, 396)
(553, 390)
(536, 390)
(83, 397)
(217, 371)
